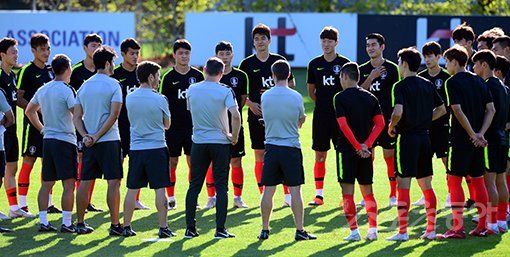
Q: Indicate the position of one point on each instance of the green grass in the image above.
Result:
(326, 221)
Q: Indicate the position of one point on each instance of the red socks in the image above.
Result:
(470, 188)
(209, 183)
(258, 175)
(319, 171)
(390, 165)
(138, 195)
(286, 190)
(350, 211)
(170, 191)
(238, 180)
(481, 198)
(12, 196)
(371, 208)
(457, 200)
(403, 209)
(24, 179)
(430, 208)
(502, 208)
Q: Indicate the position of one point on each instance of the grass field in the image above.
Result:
(326, 221)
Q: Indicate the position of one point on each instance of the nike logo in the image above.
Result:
(241, 152)
(120, 80)
(175, 83)
(37, 76)
(8, 85)
(320, 68)
(365, 75)
(257, 70)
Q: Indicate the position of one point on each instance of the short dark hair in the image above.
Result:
(129, 43)
(351, 69)
(463, 31)
(102, 55)
(380, 39)
(487, 38)
(262, 29)
(486, 56)
(92, 38)
(431, 47)
(214, 66)
(457, 53)
(38, 39)
(502, 64)
(329, 32)
(145, 69)
(411, 56)
(281, 70)
(60, 64)
(181, 43)
(503, 41)
(223, 46)
(7, 42)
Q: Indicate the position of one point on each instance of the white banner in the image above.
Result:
(66, 30)
(294, 35)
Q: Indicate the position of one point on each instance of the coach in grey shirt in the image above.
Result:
(208, 102)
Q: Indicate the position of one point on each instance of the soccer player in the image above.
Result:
(323, 83)
(82, 71)
(149, 116)
(5, 111)
(208, 103)
(237, 80)
(502, 67)
(31, 77)
(9, 58)
(125, 73)
(496, 153)
(485, 39)
(473, 110)
(464, 35)
(501, 46)
(440, 128)
(258, 68)
(284, 113)
(361, 121)
(98, 104)
(416, 105)
(378, 76)
(174, 85)
(55, 100)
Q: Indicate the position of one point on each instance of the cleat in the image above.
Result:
(303, 235)
(459, 234)
(478, 232)
(198, 206)
(140, 206)
(318, 200)
(493, 229)
(68, 229)
(127, 231)
(165, 232)
(361, 203)
(211, 203)
(264, 234)
(221, 234)
(47, 228)
(469, 203)
(191, 233)
(52, 209)
(429, 235)
(503, 228)
(448, 203)
(115, 230)
(420, 202)
(393, 202)
(285, 204)
(5, 230)
(93, 208)
(239, 203)
(172, 205)
(398, 237)
(4, 217)
(83, 228)
(354, 236)
(371, 236)
(25, 208)
(475, 220)
(20, 213)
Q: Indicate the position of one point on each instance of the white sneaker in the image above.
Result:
(239, 203)
(398, 237)
(429, 235)
(354, 236)
(371, 236)
(20, 213)
(448, 203)
(285, 204)
(4, 217)
(140, 206)
(361, 203)
(420, 202)
(393, 201)
(211, 203)
(503, 228)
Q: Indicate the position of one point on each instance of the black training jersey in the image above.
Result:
(418, 98)
(8, 85)
(496, 133)
(358, 106)
(439, 81)
(326, 78)
(382, 86)
(238, 81)
(471, 93)
(32, 78)
(259, 77)
(79, 75)
(128, 83)
(174, 86)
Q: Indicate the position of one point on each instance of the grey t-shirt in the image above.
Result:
(4, 107)
(96, 96)
(146, 110)
(282, 108)
(208, 103)
(55, 99)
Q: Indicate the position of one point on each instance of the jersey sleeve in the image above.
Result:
(74, 80)
(164, 107)
(377, 107)
(230, 99)
(163, 84)
(117, 95)
(244, 84)
(452, 92)
(438, 101)
(23, 79)
(4, 105)
(70, 99)
(35, 98)
(486, 94)
(310, 75)
(339, 109)
(398, 94)
(362, 74)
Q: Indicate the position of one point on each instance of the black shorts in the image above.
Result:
(125, 140)
(495, 158)
(413, 156)
(384, 140)
(464, 160)
(60, 160)
(178, 140)
(148, 167)
(257, 134)
(351, 167)
(2, 164)
(103, 159)
(11, 147)
(440, 140)
(237, 150)
(283, 164)
(32, 141)
(325, 129)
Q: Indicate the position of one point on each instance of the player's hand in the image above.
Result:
(255, 108)
(377, 72)
(364, 152)
(507, 126)
(89, 140)
(392, 132)
(231, 138)
(479, 140)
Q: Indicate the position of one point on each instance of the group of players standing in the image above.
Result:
(356, 108)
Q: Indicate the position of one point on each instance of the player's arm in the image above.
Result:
(8, 119)
(243, 100)
(235, 123)
(398, 109)
(375, 73)
(292, 83)
(490, 110)
(31, 112)
(23, 80)
(302, 115)
(254, 107)
(166, 113)
(463, 120)
(378, 120)
(311, 92)
(78, 120)
(438, 112)
(344, 126)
